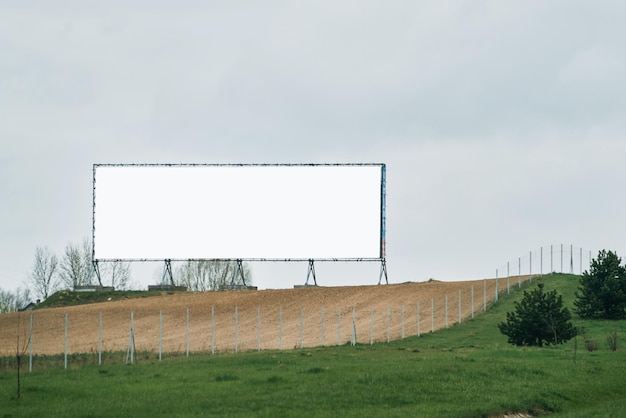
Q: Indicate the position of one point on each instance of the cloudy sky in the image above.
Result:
(502, 123)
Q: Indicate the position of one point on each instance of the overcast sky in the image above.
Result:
(502, 123)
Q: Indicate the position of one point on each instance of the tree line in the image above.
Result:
(50, 273)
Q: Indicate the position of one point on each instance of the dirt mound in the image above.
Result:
(247, 320)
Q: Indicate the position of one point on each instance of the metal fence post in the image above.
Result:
(160, 334)
(418, 318)
(65, 342)
(187, 333)
(100, 342)
(339, 326)
(432, 315)
(30, 345)
(446, 311)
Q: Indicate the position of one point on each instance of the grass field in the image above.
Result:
(467, 370)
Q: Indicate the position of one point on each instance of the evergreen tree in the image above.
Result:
(602, 290)
(539, 319)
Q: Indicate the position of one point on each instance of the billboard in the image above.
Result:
(243, 211)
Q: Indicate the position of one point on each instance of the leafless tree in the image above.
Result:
(76, 265)
(206, 275)
(14, 301)
(117, 273)
(43, 275)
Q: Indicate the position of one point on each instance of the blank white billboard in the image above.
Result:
(248, 212)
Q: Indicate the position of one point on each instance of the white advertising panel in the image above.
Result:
(248, 212)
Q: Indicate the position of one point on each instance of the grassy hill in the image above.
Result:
(468, 370)
(71, 298)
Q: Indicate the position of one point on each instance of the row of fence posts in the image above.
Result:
(130, 355)
(541, 253)
(131, 358)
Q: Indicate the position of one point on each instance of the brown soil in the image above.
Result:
(374, 308)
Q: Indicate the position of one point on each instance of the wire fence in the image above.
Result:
(552, 258)
(232, 328)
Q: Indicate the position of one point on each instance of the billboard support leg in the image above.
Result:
(383, 271)
(311, 272)
(95, 270)
(167, 272)
(238, 272)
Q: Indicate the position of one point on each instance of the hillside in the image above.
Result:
(238, 315)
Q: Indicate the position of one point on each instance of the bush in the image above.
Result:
(611, 340)
(591, 345)
(539, 319)
(602, 291)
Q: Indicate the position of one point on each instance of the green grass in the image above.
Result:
(467, 370)
(71, 298)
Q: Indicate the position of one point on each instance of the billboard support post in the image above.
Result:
(238, 272)
(383, 271)
(95, 270)
(311, 272)
(167, 272)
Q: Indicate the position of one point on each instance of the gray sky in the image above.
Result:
(501, 123)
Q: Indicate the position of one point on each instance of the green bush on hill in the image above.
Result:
(539, 319)
(602, 291)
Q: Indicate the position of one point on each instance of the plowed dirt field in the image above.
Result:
(251, 320)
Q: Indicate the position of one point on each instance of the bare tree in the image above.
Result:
(117, 273)
(206, 275)
(14, 301)
(76, 265)
(43, 275)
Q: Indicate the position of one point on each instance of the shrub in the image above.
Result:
(539, 319)
(611, 340)
(602, 291)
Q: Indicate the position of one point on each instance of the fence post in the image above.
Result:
(236, 329)
(280, 331)
(30, 345)
(472, 301)
(432, 315)
(353, 327)
(322, 329)
(508, 279)
(65, 343)
(213, 330)
(497, 286)
(372, 328)
(541, 262)
(446, 311)
(388, 323)
(258, 329)
(580, 271)
(484, 295)
(339, 326)
(160, 334)
(519, 272)
(459, 306)
(301, 328)
(418, 318)
(403, 321)
(130, 352)
(100, 342)
(561, 258)
(187, 333)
